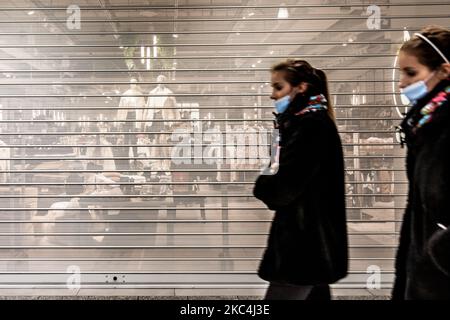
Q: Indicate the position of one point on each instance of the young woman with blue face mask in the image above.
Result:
(307, 245)
(423, 257)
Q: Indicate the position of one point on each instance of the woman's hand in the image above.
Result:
(274, 167)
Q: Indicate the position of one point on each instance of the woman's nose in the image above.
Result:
(402, 83)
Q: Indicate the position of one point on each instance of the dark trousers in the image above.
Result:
(120, 151)
(278, 291)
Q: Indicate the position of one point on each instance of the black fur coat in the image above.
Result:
(308, 237)
(423, 257)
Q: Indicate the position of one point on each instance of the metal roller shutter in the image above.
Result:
(89, 184)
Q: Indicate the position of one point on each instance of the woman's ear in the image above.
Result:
(302, 87)
(444, 71)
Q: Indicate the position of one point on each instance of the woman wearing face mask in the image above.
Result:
(307, 245)
(422, 263)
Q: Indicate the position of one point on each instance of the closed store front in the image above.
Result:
(131, 133)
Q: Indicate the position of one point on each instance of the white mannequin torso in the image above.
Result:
(159, 98)
(131, 99)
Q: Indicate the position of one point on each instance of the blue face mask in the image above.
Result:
(416, 90)
(282, 104)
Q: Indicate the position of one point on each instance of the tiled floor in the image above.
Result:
(185, 294)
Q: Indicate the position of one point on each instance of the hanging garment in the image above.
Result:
(158, 100)
(129, 100)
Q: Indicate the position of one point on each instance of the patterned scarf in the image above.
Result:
(427, 113)
(315, 103)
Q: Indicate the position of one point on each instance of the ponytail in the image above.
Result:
(323, 88)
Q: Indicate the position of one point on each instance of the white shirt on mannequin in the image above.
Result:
(131, 101)
(158, 99)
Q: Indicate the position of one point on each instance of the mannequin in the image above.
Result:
(130, 99)
(158, 99)
(160, 106)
